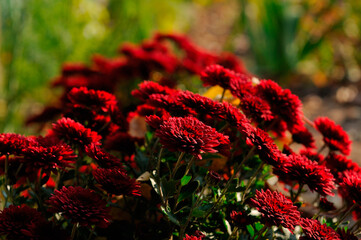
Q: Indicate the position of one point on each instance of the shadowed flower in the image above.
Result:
(45, 230)
(350, 186)
(170, 104)
(191, 136)
(312, 155)
(338, 163)
(116, 182)
(346, 235)
(80, 205)
(276, 209)
(103, 158)
(235, 118)
(148, 88)
(17, 222)
(300, 169)
(240, 219)
(304, 137)
(213, 178)
(314, 230)
(333, 135)
(217, 75)
(75, 133)
(93, 99)
(326, 205)
(283, 103)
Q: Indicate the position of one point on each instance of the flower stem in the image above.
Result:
(250, 181)
(345, 215)
(298, 193)
(260, 233)
(177, 165)
(73, 231)
(224, 91)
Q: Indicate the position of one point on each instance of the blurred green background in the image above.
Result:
(301, 44)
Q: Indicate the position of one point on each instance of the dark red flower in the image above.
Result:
(241, 86)
(80, 205)
(190, 135)
(346, 235)
(338, 163)
(148, 88)
(240, 219)
(213, 178)
(116, 182)
(217, 75)
(326, 205)
(303, 136)
(314, 230)
(276, 209)
(300, 169)
(17, 222)
(235, 118)
(312, 155)
(93, 99)
(154, 121)
(45, 230)
(122, 142)
(265, 147)
(350, 186)
(11, 143)
(283, 103)
(75, 133)
(170, 104)
(103, 158)
(333, 135)
(256, 108)
(49, 159)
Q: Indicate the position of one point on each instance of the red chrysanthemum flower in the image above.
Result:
(265, 147)
(256, 108)
(103, 158)
(283, 103)
(314, 230)
(11, 143)
(148, 88)
(187, 237)
(80, 205)
(276, 209)
(240, 219)
(93, 99)
(217, 75)
(304, 137)
(122, 142)
(333, 135)
(49, 159)
(241, 86)
(338, 163)
(191, 136)
(346, 235)
(75, 133)
(16, 222)
(116, 182)
(326, 205)
(350, 186)
(235, 118)
(306, 172)
(170, 104)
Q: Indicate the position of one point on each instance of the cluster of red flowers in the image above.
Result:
(123, 159)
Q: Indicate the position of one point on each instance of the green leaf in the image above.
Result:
(250, 229)
(171, 216)
(258, 226)
(168, 187)
(188, 190)
(198, 213)
(185, 179)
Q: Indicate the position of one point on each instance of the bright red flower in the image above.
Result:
(276, 209)
(103, 158)
(256, 108)
(304, 137)
(300, 169)
(93, 99)
(17, 222)
(338, 163)
(235, 117)
(191, 136)
(314, 230)
(11, 143)
(217, 75)
(80, 205)
(283, 103)
(192, 237)
(333, 135)
(312, 155)
(148, 88)
(116, 182)
(241, 86)
(170, 104)
(75, 133)
(350, 186)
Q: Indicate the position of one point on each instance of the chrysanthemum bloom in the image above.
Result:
(213, 178)
(235, 118)
(170, 104)
(326, 205)
(148, 88)
(116, 182)
(11, 143)
(283, 103)
(190, 135)
(93, 99)
(16, 222)
(265, 147)
(333, 135)
(346, 235)
(80, 205)
(338, 163)
(256, 108)
(314, 230)
(75, 133)
(49, 159)
(103, 158)
(304, 137)
(202, 105)
(312, 155)
(300, 169)
(192, 237)
(242, 86)
(217, 75)
(276, 209)
(240, 219)
(350, 186)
